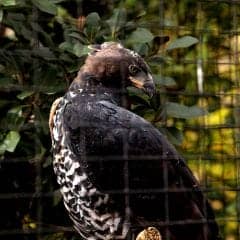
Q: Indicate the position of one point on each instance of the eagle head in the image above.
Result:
(114, 66)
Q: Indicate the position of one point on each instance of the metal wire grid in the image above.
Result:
(200, 158)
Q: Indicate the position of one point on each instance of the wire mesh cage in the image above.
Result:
(42, 49)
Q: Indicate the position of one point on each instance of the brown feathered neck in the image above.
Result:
(87, 84)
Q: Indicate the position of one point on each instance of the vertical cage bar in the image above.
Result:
(38, 167)
(236, 110)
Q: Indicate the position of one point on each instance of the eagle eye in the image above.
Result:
(133, 69)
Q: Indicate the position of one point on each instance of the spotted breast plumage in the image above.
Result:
(117, 173)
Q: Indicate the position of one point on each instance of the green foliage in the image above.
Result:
(38, 70)
(8, 2)
(141, 35)
(10, 142)
(45, 6)
(164, 81)
(180, 111)
(1, 15)
(182, 42)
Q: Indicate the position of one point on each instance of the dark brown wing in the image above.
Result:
(131, 160)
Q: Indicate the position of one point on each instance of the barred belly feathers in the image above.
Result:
(119, 176)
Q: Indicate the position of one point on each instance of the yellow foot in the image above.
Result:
(150, 233)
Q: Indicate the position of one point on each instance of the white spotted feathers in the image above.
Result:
(81, 199)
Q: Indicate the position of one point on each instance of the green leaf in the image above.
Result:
(10, 142)
(47, 37)
(14, 118)
(141, 35)
(1, 15)
(66, 46)
(92, 19)
(92, 26)
(25, 94)
(181, 111)
(8, 2)
(182, 42)
(15, 110)
(45, 6)
(174, 135)
(117, 20)
(80, 50)
(141, 48)
(157, 60)
(2, 149)
(79, 36)
(77, 49)
(134, 91)
(164, 80)
(58, 1)
(44, 52)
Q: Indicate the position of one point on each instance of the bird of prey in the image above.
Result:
(117, 173)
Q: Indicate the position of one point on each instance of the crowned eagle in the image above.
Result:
(117, 173)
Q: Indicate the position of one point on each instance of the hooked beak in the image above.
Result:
(145, 82)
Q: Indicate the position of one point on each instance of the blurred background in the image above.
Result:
(192, 48)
